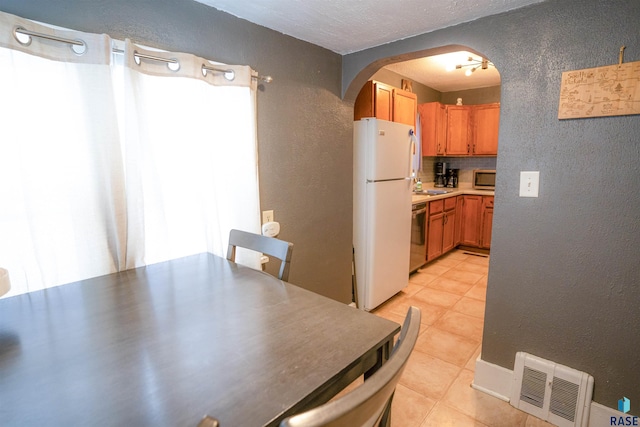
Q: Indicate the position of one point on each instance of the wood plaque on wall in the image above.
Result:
(613, 90)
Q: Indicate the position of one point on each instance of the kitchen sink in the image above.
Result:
(431, 192)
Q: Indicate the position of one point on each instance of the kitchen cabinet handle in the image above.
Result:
(445, 219)
(468, 149)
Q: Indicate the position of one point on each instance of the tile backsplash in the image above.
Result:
(465, 164)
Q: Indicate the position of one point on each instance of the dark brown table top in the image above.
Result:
(165, 344)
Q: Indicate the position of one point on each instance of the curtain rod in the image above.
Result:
(81, 43)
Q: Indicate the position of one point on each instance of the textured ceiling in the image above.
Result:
(346, 26)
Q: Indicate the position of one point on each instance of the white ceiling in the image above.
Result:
(434, 72)
(346, 26)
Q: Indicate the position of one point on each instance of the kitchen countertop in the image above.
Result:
(417, 198)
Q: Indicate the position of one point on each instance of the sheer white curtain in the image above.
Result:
(191, 158)
(81, 197)
(61, 188)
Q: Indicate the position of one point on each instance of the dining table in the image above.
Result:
(168, 343)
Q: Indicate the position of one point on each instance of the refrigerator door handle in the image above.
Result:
(412, 153)
(373, 181)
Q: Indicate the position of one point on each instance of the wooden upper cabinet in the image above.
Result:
(386, 102)
(374, 100)
(404, 107)
(441, 137)
(458, 130)
(486, 122)
(433, 128)
(383, 102)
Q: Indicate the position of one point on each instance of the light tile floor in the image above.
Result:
(435, 390)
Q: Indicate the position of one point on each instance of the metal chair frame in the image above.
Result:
(370, 403)
(269, 246)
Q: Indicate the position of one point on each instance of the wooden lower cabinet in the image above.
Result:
(434, 236)
(449, 225)
(487, 222)
(471, 209)
(459, 215)
(477, 221)
(441, 227)
(462, 220)
(435, 229)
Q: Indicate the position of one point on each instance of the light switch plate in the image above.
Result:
(529, 183)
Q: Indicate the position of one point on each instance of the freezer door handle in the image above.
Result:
(412, 151)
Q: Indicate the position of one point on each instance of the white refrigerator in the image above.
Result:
(382, 184)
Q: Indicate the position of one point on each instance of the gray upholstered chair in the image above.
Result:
(267, 245)
(370, 403)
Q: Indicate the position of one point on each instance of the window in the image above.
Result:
(112, 161)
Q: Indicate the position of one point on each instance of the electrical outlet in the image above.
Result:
(529, 184)
(267, 216)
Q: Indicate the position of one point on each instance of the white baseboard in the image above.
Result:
(493, 379)
(496, 381)
(601, 415)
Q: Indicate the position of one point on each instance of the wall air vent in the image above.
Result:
(533, 387)
(552, 392)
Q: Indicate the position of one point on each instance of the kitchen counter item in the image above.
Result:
(440, 171)
(484, 179)
(452, 178)
(431, 192)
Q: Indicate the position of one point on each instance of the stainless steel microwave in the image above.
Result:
(484, 179)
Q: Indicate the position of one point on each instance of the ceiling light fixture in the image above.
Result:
(473, 65)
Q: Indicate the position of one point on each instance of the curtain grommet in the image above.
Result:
(21, 37)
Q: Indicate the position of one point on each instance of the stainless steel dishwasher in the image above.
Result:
(418, 236)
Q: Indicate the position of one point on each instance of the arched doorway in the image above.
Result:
(451, 288)
(467, 84)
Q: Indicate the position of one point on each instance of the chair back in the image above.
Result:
(369, 404)
(209, 421)
(267, 245)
